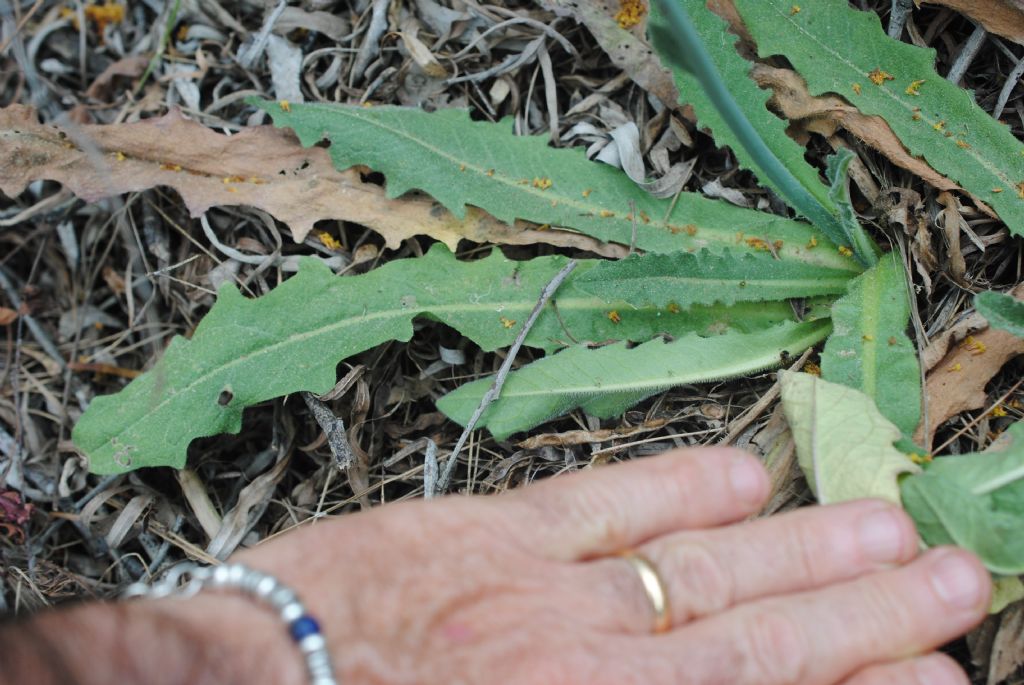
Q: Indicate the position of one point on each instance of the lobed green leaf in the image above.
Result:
(463, 162)
(607, 380)
(684, 279)
(869, 349)
(975, 501)
(248, 351)
(839, 49)
(844, 444)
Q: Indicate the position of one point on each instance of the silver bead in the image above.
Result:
(236, 573)
(312, 643)
(292, 611)
(319, 662)
(266, 586)
(282, 597)
(220, 576)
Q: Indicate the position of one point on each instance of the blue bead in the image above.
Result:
(303, 626)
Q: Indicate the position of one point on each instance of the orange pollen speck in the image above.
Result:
(285, 106)
(606, 213)
(587, 192)
(795, 9)
(856, 88)
(914, 87)
(507, 323)
(963, 144)
(614, 317)
(167, 166)
(673, 308)
(812, 243)
(1020, 190)
(630, 13)
(878, 77)
(845, 251)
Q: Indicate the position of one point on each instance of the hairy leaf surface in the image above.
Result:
(869, 349)
(462, 162)
(974, 501)
(250, 350)
(685, 278)
(1001, 311)
(843, 443)
(607, 380)
(714, 79)
(842, 50)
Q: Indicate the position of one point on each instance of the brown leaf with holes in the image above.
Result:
(261, 166)
(957, 382)
(1002, 17)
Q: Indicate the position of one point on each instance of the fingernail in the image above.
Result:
(881, 535)
(748, 479)
(956, 581)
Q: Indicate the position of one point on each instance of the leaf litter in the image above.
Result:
(155, 254)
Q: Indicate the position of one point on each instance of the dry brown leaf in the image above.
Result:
(7, 316)
(1007, 647)
(957, 382)
(262, 167)
(624, 47)
(1002, 17)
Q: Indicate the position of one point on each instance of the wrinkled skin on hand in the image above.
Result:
(525, 588)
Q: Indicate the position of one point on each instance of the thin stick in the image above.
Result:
(977, 419)
(499, 379)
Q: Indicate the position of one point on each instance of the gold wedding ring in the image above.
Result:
(654, 588)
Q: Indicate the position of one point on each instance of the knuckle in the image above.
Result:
(775, 648)
(699, 584)
(804, 542)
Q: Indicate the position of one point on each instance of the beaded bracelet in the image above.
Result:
(186, 580)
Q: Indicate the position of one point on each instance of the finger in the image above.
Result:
(824, 635)
(708, 571)
(933, 669)
(604, 510)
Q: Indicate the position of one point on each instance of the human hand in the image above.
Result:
(525, 588)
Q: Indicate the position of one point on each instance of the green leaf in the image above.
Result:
(463, 162)
(838, 49)
(1001, 311)
(685, 279)
(248, 351)
(869, 349)
(714, 79)
(606, 380)
(843, 443)
(1005, 591)
(975, 501)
